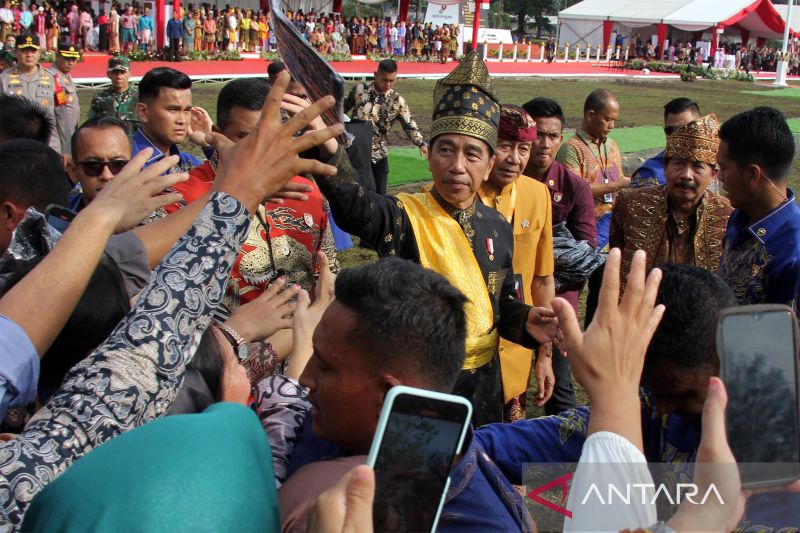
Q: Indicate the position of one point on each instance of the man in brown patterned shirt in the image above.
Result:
(682, 221)
(379, 104)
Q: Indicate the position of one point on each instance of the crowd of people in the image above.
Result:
(127, 27)
(198, 325)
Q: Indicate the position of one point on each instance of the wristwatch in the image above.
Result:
(237, 341)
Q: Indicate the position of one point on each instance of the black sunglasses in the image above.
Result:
(669, 130)
(95, 168)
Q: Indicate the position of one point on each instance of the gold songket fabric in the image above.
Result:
(695, 141)
(464, 102)
(444, 248)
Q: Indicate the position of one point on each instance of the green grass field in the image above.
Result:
(638, 129)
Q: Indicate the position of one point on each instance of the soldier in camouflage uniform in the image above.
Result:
(30, 80)
(119, 100)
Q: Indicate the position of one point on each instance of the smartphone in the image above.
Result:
(59, 217)
(418, 436)
(757, 346)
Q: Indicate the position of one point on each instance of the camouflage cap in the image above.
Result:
(119, 63)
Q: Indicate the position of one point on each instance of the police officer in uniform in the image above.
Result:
(119, 100)
(68, 109)
(30, 80)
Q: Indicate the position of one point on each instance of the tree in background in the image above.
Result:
(535, 9)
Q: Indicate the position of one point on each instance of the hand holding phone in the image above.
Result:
(418, 436)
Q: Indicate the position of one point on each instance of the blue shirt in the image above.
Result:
(187, 161)
(174, 29)
(761, 260)
(650, 173)
(146, 23)
(19, 366)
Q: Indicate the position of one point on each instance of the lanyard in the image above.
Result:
(598, 158)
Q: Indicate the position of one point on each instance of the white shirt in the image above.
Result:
(6, 15)
(609, 460)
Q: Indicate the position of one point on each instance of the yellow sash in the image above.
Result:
(443, 248)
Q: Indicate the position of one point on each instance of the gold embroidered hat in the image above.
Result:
(695, 141)
(464, 102)
(68, 51)
(27, 41)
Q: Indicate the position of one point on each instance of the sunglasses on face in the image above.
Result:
(95, 168)
(669, 130)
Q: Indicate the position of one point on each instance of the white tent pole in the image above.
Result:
(783, 64)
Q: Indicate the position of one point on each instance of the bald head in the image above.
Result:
(600, 113)
(598, 100)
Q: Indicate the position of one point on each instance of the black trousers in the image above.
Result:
(175, 49)
(380, 172)
(563, 397)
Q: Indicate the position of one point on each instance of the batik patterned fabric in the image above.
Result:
(642, 221)
(465, 102)
(382, 110)
(283, 240)
(595, 160)
(761, 260)
(133, 377)
(695, 141)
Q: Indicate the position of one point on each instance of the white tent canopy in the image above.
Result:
(584, 22)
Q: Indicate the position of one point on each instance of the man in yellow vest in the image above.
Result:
(525, 204)
(448, 230)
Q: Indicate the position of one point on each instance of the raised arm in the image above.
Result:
(133, 376)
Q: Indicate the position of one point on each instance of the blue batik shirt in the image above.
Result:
(650, 173)
(187, 161)
(761, 260)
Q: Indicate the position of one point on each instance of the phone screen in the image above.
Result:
(59, 217)
(758, 362)
(414, 460)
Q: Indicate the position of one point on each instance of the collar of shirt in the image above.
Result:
(588, 139)
(769, 225)
(374, 90)
(459, 215)
(141, 141)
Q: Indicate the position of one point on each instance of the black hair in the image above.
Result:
(541, 107)
(679, 105)
(388, 66)
(159, 78)
(275, 68)
(97, 122)
(410, 319)
(21, 118)
(760, 136)
(208, 362)
(33, 175)
(102, 306)
(248, 93)
(598, 100)
(684, 338)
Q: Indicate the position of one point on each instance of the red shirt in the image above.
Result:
(573, 203)
(283, 240)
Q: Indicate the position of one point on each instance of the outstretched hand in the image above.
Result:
(715, 466)
(542, 325)
(307, 316)
(135, 192)
(267, 314)
(200, 125)
(608, 358)
(259, 165)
